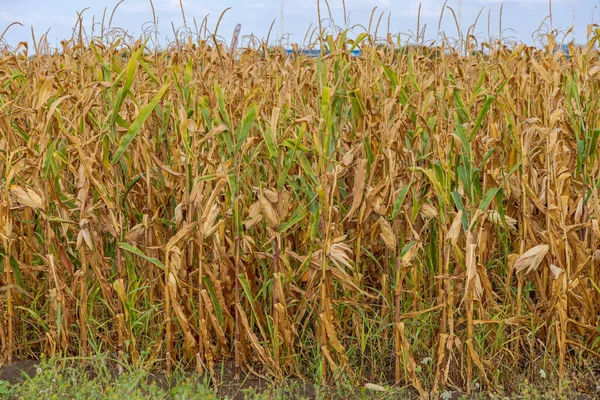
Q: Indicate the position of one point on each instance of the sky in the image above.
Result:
(520, 18)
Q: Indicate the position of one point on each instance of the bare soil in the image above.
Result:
(17, 371)
(228, 385)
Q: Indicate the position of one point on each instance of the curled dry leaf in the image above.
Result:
(175, 259)
(172, 284)
(358, 189)
(179, 214)
(428, 211)
(531, 259)
(596, 228)
(182, 233)
(84, 234)
(271, 195)
(454, 230)
(374, 387)
(269, 213)
(119, 286)
(136, 234)
(579, 211)
(209, 225)
(410, 254)
(387, 234)
(340, 254)
(496, 219)
(254, 215)
(27, 197)
(556, 271)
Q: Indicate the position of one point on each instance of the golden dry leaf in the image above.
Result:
(271, 195)
(387, 234)
(331, 334)
(340, 254)
(531, 259)
(175, 259)
(579, 211)
(27, 197)
(455, 228)
(403, 348)
(494, 217)
(254, 215)
(179, 214)
(209, 218)
(84, 234)
(172, 285)
(136, 234)
(596, 228)
(556, 271)
(269, 213)
(410, 254)
(187, 228)
(358, 189)
(471, 287)
(428, 211)
(375, 387)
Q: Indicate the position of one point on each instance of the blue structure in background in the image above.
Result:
(315, 53)
(565, 49)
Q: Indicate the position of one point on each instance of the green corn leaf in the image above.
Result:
(243, 131)
(253, 303)
(482, 113)
(358, 40)
(222, 109)
(129, 72)
(147, 69)
(299, 213)
(138, 252)
(400, 200)
(135, 127)
(48, 160)
(487, 199)
(307, 168)
(211, 291)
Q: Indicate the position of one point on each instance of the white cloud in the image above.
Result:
(256, 5)
(540, 2)
(169, 6)
(134, 8)
(369, 3)
(10, 17)
(429, 9)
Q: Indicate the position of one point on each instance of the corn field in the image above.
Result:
(429, 219)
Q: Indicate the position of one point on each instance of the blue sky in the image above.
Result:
(522, 17)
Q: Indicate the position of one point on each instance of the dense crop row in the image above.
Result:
(432, 220)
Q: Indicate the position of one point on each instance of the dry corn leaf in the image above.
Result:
(455, 228)
(428, 211)
(254, 215)
(269, 213)
(27, 197)
(387, 234)
(495, 218)
(375, 387)
(185, 230)
(531, 259)
(340, 255)
(358, 189)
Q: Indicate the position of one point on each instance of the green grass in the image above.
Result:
(67, 379)
(103, 379)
